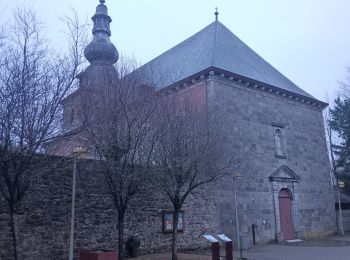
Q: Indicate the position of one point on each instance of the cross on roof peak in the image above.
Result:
(216, 14)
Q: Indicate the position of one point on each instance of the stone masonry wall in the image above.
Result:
(250, 117)
(43, 221)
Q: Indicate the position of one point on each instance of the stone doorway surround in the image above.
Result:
(285, 178)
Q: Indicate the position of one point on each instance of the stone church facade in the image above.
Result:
(284, 189)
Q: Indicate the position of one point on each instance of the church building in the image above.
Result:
(284, 192)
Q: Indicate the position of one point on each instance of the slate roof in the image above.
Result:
(215, 46)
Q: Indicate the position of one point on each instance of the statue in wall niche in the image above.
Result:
(280, 151)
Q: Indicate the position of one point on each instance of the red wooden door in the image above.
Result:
(285, 204)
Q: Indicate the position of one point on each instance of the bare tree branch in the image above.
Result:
(184, 153)
(33, 82)
(120, 131)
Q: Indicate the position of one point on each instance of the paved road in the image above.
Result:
(336, 248)
(283, 252)
(331, 248)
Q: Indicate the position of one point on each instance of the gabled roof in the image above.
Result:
(216, 47)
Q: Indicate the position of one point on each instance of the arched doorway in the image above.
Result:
(285, 206)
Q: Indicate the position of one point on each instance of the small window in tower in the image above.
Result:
(98, 22)
(279, 144)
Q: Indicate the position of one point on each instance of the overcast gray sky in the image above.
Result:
(307, 40)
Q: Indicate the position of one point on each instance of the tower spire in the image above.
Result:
(101, 50)
(216, 14)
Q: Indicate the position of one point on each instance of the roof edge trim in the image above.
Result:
(248, 82)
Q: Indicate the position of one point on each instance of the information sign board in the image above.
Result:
(224, 238)
(210, 238)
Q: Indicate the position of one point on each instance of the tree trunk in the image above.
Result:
(13, 231)
(121, 216)
(174, 240)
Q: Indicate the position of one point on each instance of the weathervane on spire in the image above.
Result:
(216, 13)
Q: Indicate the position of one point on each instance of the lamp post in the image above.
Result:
(340, 184)
(77, 153)
(236, 176)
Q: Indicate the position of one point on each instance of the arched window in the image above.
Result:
(279, 144)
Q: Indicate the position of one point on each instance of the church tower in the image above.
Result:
(101, 50)
(102, 55)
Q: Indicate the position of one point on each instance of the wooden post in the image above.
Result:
(229, 250)
(215, 250)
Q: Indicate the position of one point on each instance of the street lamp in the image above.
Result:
(77, 153)
(236, 176)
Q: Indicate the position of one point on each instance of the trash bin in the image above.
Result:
(245, 242)
(132, 245)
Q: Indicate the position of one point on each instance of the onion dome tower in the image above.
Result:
(101, 50)
(100, 74)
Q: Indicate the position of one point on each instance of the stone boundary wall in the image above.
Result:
(43, 219)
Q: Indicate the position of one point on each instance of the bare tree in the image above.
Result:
(33, 81)
(2, 42)
(119, 129)
(184, 153)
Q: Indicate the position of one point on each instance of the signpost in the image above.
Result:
(215, 246)
(228, 246)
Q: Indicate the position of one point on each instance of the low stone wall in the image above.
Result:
(43, 219)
